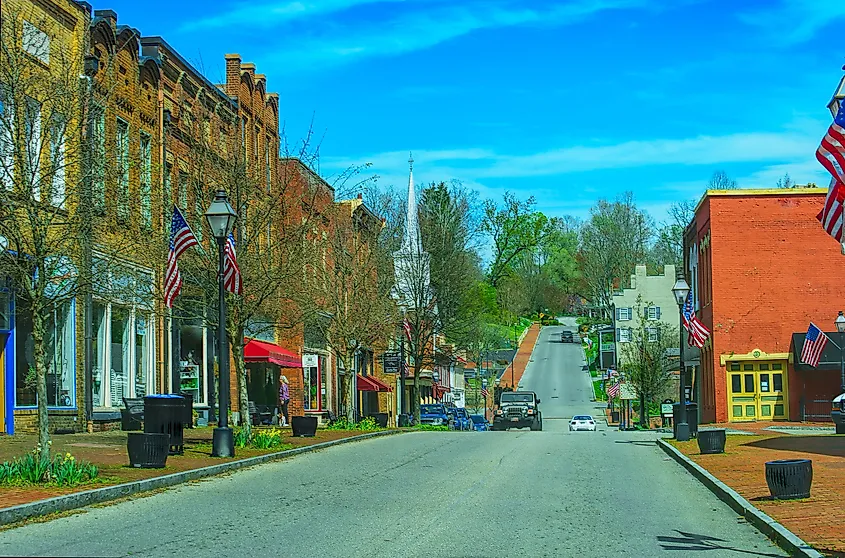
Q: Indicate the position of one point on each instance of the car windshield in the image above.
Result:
(477, 419)
(517, 398)
(432, 409)
(582, 417)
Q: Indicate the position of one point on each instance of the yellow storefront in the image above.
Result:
(757, 386)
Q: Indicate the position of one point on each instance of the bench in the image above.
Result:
(260, 414)
(132, 415)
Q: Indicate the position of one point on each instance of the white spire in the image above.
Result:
(411, 241)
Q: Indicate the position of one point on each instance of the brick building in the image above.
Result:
(761, 269)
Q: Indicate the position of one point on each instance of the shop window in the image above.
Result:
(195, 350)
(764, 382)
(749, 383)
(59, 337)
(777, 382)
(314, 384)
(734, 366)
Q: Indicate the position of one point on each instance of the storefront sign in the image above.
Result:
(390, 362)
(309, 361)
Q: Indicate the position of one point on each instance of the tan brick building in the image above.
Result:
(762, 268)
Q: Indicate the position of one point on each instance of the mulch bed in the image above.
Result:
(818, 519)
(522, 357)
(107, 450)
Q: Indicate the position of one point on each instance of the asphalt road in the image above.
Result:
(431, 494)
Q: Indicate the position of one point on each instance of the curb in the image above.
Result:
(782, 536)
(77, 500)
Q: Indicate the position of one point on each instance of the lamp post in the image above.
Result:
(221, 220)
(681, 290)
(840, 327)
(90, 67)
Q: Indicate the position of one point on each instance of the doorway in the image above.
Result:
(3, 338)
(757, 391)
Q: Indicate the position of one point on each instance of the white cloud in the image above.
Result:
(795, 21)
(796, 145)
(274, 13)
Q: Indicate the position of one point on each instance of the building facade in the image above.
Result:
(761, 268)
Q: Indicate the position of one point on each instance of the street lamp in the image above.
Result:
(840, 327)
(681, 290)
(221, 220)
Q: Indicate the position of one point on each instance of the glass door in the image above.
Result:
(756, 391)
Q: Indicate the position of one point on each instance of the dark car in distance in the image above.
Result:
(567, 337)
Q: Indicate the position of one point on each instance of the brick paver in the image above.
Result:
(818, 519)
(523, 355)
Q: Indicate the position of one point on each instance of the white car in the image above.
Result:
(582, 422)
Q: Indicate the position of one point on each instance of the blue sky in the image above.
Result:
(566, 101)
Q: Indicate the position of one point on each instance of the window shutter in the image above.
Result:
(658, 312)
(617, 315)
(630, 313)
(618, 331)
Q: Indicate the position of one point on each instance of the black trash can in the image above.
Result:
(164, 414)
(789, 479)
(692, 418)
(712, 441)
(380, 418)
(188, 421)
(304, 426)
(147, 451)
(404, 420)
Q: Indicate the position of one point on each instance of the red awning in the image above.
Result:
(262, 351)
(371, 383)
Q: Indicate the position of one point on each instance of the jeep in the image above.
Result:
(518, 409)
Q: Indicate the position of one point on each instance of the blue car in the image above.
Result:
(479, 423)
(460, 419)
(434, 414)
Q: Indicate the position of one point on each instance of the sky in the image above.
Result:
(568, 101)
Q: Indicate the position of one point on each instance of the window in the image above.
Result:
(267, 164)
(146, 180)
(32, 133)
(122, 161)
(199, 214)
(36, 42)
(653, 334)
(736, 383)
(183, 190)
(624, 335)
(124, 346)
(7, 146)
(652, 313)
(624, 314)
(59, 341)
(58, 129)
(314, 385)
(735, 368)
(777, 382)
(98, 170)
(764, 382)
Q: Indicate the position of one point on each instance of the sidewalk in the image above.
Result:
(523, 355)
(818, 519)
(107, 450)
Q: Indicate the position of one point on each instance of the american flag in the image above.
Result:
(814, 343)
(613, 389)
(831, 154)
(181, 238)
(484, 392)
(697, 331)
(232, 280)
(406, 325)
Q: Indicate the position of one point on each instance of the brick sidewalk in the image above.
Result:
(818, 519)
(523, 355)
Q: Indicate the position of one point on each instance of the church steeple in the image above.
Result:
(411, 241)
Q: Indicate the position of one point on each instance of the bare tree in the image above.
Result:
(721, 181)
(785, 181)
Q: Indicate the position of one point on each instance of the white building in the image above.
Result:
(657, 304)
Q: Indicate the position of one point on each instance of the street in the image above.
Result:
(517, 493)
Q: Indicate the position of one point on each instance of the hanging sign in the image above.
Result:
(309, 361)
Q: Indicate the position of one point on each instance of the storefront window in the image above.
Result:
(120, 364)
(314, 386)
(61, 364)
(142, 356)
(100, 351)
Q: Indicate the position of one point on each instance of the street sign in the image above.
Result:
(391, 363)
(626, 391)
(309, 361)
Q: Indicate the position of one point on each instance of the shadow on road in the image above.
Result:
(822, 445)
(635, 442)
(689, 542)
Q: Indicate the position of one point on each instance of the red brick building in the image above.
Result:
(761, 269)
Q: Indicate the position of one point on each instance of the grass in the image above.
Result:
(598, 391)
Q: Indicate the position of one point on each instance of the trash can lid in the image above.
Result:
(164, 396)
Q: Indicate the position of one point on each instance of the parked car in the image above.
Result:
(460, 418)
(838, 413)
(435, 414)
(479, 423)
(582, 422)
(567, 337)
